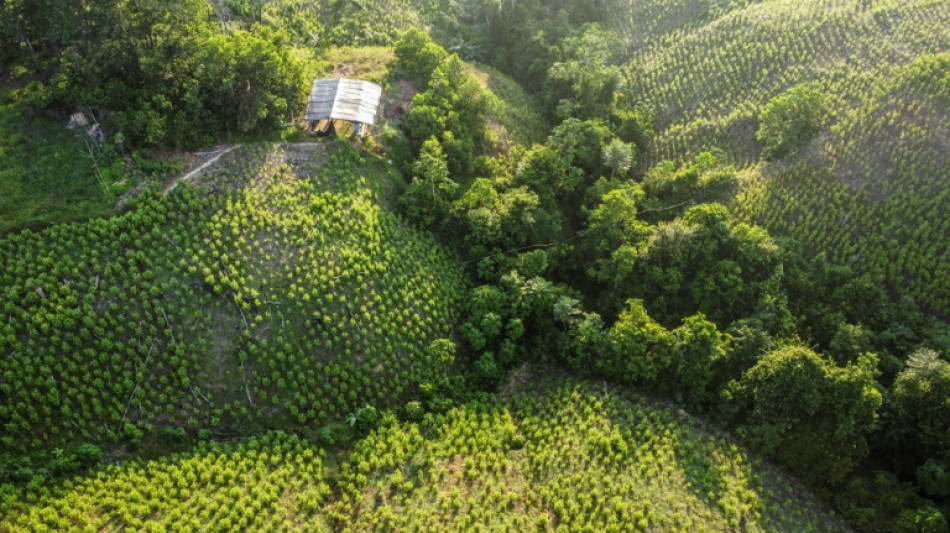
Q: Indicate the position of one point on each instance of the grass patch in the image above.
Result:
(370, 63)
(46, 175)
(513, 113)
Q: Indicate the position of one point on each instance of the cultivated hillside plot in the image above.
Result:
(275, 290)
(871, 189)
(559, 454)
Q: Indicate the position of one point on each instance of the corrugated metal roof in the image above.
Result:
(343, 99)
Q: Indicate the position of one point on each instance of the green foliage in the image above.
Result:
(417, 56)
(669, 186)
(428, 197)
(516, 115)
(934, 479)
(880, 503)
(270, 482)
(298, 268)
(702, 262)
(507, 217)
(163, 75)
(547, 172)
(643, 347)
(46, 174)
(590, 456)
(289, 295)
(674, 363)
(369, 23)
(580, 145)
(790, 119)
(917, 410)
(620, 157)
(821, 435)
(299, 18)
(583, 78)
(614, 224)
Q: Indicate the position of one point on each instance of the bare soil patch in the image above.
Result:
(197, 162)
(397, 103)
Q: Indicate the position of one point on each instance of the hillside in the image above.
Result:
(553, 454)
(869, 190)
(276, 291)
(551, 288)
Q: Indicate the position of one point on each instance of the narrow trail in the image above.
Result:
(170, 186)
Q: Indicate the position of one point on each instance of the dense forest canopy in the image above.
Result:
(737, 208)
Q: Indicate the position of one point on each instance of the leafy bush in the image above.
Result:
(790, 119)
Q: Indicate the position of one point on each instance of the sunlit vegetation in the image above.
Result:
(883, 210)
(269, 483)
(281, 292)
(557, 455)
(738, 207)
(366, 62)
(563, 455)
(512, 111)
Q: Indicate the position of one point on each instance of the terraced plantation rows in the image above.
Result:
(884, 212)
(706, 87)
(282, 294)
(557, 455)
(870, 190)
(566, 456)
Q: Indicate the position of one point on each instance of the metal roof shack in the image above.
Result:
(343, 99)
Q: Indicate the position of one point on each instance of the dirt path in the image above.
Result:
(173, 182)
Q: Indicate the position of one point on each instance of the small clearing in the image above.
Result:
(214, 156)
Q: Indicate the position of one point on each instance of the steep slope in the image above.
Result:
(870, 188)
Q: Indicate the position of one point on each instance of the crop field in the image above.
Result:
(553, 455)
(870, 190)
(276, 291)
(562, 454)
(269, 483)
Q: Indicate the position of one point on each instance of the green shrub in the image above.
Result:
(790, 119)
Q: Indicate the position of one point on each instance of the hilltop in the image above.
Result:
(277, 290)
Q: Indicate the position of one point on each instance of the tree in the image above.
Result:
(811, 415)
(583, 80)
(642, 348)
(790, 119)
(917, 414)
(619, 157)
(417, 56)
(699, 180)
(547, 173)
(507, 217)
(614, 222)
(698, 348)
(442, 352)
(583, 338)
(428, 196)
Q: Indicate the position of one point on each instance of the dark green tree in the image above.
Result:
(429, 195)
(810, 414)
